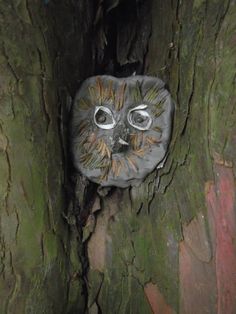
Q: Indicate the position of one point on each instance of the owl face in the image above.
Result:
(120, 128)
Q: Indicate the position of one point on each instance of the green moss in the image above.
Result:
(36, 264)
(198, 3)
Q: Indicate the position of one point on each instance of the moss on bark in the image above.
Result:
(37, 274)
(154, 237)
(156, 248)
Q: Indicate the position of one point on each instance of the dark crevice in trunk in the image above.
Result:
(122, 35)
(99, 37)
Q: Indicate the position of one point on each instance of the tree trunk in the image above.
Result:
(39, 265)
(167, 246)
(172, 249)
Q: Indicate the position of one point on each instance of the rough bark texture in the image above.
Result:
(160, 248)
(173, 250)
(39, 267)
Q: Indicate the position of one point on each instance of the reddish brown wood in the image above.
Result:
(197, 274)
(156, 300)
(221, 207)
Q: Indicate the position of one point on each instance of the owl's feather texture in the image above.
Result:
(120, 128)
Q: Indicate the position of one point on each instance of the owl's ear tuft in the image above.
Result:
(99, 87)
(93, 94)
(119, 101)
(83, 104)
(109, 94)
(152, 93)
(137, 93)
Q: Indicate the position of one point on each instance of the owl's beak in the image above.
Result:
(122, 142)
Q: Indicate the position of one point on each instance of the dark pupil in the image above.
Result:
(139, 119)
(101, 117)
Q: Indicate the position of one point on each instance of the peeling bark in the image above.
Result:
(221, 211)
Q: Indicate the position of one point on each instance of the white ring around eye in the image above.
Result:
(140, 109)
(104, 126)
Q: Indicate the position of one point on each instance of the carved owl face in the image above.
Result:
(120, 128)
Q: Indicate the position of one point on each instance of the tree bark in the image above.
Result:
(172, 249)
(167, 246)
(40, 270)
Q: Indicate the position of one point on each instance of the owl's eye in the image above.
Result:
(139, 118)
(103, 118)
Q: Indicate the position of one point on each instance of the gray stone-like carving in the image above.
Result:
(121, 128)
